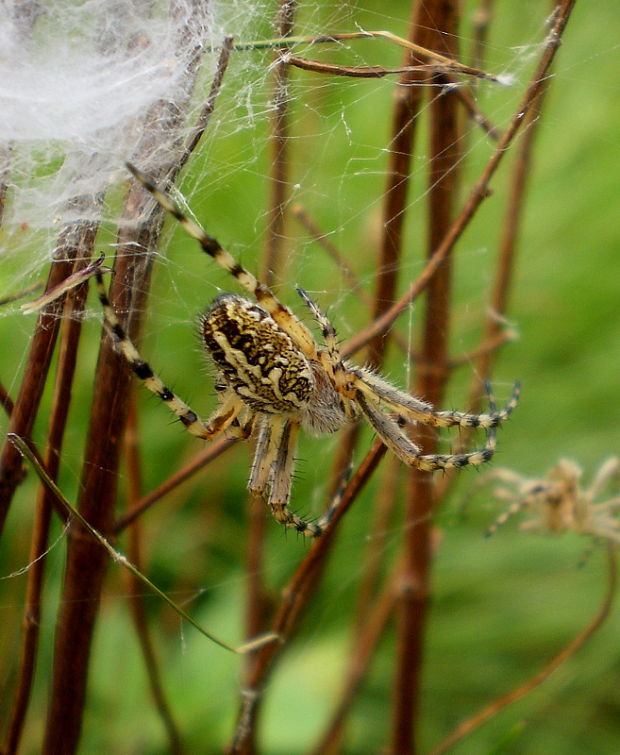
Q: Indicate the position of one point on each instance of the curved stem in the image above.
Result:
(471, 724)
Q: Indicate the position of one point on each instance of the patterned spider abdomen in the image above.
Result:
(256, 357)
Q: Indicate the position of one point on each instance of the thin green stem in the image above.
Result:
(119, 558)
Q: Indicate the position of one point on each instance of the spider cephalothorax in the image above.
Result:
(273, 378)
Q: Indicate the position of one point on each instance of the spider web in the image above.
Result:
(73, 102)
(79, 83)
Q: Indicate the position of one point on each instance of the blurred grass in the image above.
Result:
(502, 606)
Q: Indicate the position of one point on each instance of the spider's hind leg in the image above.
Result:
(222, 418)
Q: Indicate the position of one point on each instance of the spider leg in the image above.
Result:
(247, 428)
(272, 474)
(279, 495)
(333, 361)
(505, 476)
(269, 432)
(330, 357)
(220, 420)
(421, 411)
(282, 478)
(280, 313)
(402, 447)
(239, 430)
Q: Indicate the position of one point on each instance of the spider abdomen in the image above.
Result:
(256, 357)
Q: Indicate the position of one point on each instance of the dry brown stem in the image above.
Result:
(479, 191)
(362, 72)
(134, 586)
(6, 401)
(86, 559)
(407, 101)
(440, 20)
(69, 341)
(474, 722)
(279, 139)
(38, 362)
(294, 600)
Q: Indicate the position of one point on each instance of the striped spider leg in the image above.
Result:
(273, 378)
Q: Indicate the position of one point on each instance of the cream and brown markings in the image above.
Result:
(274, 378)
(256, 357)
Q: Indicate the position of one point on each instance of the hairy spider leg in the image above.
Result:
(408, 452)
(372, 384)
(330, 358)
(280, 312)
(272, 474)
(225, 417)
(526, 499)
(608, 472)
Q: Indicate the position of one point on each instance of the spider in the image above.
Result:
(558, 502)
(273, 378)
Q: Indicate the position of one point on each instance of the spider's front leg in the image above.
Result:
(376, 388)
(407, 451)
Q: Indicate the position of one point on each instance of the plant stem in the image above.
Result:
(69, 341)
(440, 23)
(480, 190)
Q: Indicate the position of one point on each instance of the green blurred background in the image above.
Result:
(501, 606)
